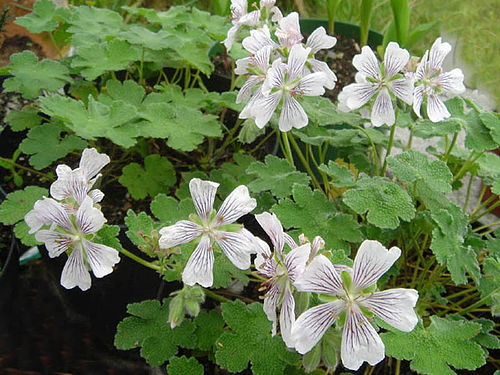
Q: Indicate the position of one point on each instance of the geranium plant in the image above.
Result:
(334, 244)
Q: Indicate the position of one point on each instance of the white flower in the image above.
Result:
(360, 341)
(282, 270)
(258, 39)
(371, 80)
(256, 66)
(431, 82)
(78, 183)
(317, 41)
(283, 83)
(72, 233)
(240, 17)
(288, 32)
(209, 227)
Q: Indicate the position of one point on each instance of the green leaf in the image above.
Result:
(18, 203)
(146, 38)
(276, 175)
(411, 166)
(428, 129)
(236, 348)
(96, 59)
(183, 366)
(342, 176)
(157, 175)
(322, 111)
(485, 338)
(169, 210)
(432, 350)
(209, 327)
(108, 235)
(114, 122)
(26, 118)
(21, 230)
(225, 272)
(32, 76)
(128, 91)
(385, 201)
(184, 126)
(312, 214)
(42, 18)
(492, 122)
(490, 281)
(46, 145)
(139, 223)
(148, 328)
(231, 175)
(448, 244)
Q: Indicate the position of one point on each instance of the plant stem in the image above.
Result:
(485, 212)
(470, 160)
(288, 151)
(139, 260)
(486, 226)
(304, 162)
(449, 149)
(479, 303)
(215, 296)
(53, 40)
(375, 153)
(31, 170)
(259, 145)
(389, 148)
(467, 196)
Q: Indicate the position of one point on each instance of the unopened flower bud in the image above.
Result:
(176, 310)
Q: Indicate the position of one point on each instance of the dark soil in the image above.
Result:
(15, 44)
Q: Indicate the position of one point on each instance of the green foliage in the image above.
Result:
(96, 59)
(209, 326)
(137, 224)
(169, 210)
(45, 145)
(448, 245)
(276, 175)
(26, 118)
(225, 272)
(44, 17)
(148, 328)
(157, 175)
(183, 366)
(342, 176)
(490, 282)
(312, 214)
(32, 76)
(412, 166)
(16, 205)
(108, 235)
(492, 122)
(432, 350)
(385, 201)
(239, 346)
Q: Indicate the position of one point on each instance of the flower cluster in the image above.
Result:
(393, 80)
(73, 220)
(301, 270)
(279, 68)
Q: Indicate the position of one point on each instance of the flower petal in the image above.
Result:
(289, 241)
(395, 307)
(311, 325)
(296, 61)
(250, 19)
(287, 316)
(288, 32)
(264, 107)
(403, 89)
(55, 242)
(371, 262)
(258, 39)
(88, 218)
(321, 66)
(236, 204)
(357, 95)
(203, 194)
(48, 211)
(452, 82)
(421, 71)
(181, 232)
(438, 54)
(312, 84)
(292, 114)
(247, 110)
(261, 58)
(75, 272)
(271, 304)
(382, 111)
(264, 261)
(320, 276)
(295, 261)
(360, 341)
(101, 258)
(436, 110)
(92, 162)
(237, 246)
(231, 37)
(273, 228)
(395, 59)
(200, 265)
(418, 98)
(275, 77)
(96, 195)
(320, 40)
(366, 62)
(277, 15)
